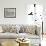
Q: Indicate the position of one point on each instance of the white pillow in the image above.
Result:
(30, 29)
(1, 30)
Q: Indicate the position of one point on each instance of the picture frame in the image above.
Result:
(9, 12)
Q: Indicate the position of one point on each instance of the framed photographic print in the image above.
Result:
(9, 12)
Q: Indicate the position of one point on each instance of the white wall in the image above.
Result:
(20, 6)
(20, 10)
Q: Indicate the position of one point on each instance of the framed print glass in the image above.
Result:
(9, 12)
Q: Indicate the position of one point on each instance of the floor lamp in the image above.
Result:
(42, 26)
(31, 13)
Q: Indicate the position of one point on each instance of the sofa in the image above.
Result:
(19, 31)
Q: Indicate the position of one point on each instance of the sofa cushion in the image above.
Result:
(9, 28)
(1, 30)
(30, 29)
(37, 30)
(21, 29)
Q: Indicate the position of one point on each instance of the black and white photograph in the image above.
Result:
(9, 12)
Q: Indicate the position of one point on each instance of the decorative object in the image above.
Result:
(9, 12)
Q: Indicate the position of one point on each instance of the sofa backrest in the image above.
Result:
(20, 28)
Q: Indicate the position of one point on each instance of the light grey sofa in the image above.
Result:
(19, 30)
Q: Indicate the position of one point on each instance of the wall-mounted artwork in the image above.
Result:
(9, 12)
